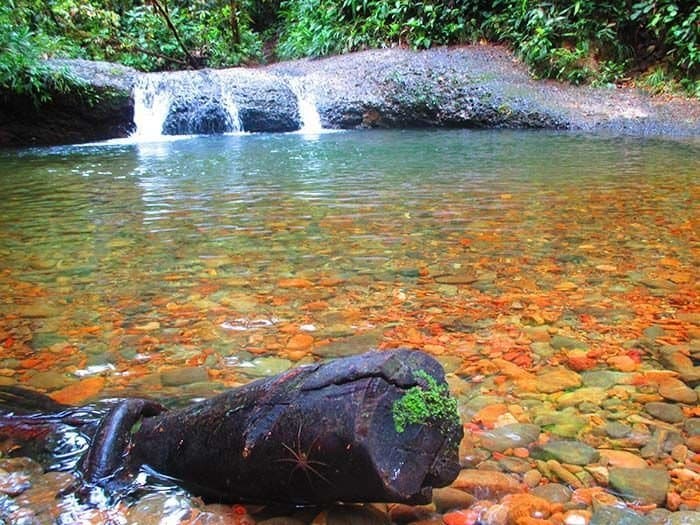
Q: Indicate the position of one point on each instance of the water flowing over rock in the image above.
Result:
(464, 87)
(210, 102)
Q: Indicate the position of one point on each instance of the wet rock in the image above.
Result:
(265, 366)
(485, 484)
(350, 345)
(560, 342)
(621, 458)
(602, 378)
(683, 517)
(458, 278)
(515, 465)
(643, 485)
(617, 430)
(609, 514)
(510, 436)
(183, 376)
(573, 452)
(670, 413)
(403, 513)
(532, 478)
(69, 117)
(693, 443)
(585, 394)
(676, 390)
(553, 492)
(153, 509)
(557, 380)
(692, 426)
(51, 380)
(566, 423)
(449, 498)
(653, 332)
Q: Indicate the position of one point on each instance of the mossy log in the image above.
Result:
(380, 426)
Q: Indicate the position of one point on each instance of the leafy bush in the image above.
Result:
(597, 41)
(22, 68)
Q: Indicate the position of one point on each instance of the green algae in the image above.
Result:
(420, 405)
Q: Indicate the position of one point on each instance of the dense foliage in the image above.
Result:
(580, 41)
(596, 41)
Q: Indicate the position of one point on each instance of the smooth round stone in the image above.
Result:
(265, 366)
(532, 478)
(447, 498)
(154, 509)
(587, 394)
(7, 381)
(51, 380)
(653, 332)
(692, 426)
(622, 458)
(557, 380)
(510, 436)
(601, 378)
(683, 517)
(572, 452)
(609, 515)
(183, 376)
(563, 423)
(516, 465)
(560, 342)
(617, 430)
(24, 465)
(349, 346)
(485, 484)
(693, 443)
(553, 492)
(670, 413)
(676, 390)
(645, 485)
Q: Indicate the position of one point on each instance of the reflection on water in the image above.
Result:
(178, 268)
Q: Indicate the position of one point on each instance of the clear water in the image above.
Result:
(122, 261)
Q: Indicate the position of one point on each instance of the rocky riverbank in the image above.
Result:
(463, 87)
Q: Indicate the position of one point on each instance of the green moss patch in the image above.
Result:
(421, 405)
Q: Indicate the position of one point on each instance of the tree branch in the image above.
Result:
(163, 11)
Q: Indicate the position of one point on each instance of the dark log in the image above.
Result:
(380, 426)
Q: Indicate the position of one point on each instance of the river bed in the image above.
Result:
(554, 275)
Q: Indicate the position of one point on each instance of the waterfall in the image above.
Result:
(151, 105)
(183, 103)
(228, 102)
(310, 118)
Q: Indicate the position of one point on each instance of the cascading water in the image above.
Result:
(151, 105)
(183, 103)
(310, 117)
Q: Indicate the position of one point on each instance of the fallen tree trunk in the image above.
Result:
(380, 426)
(337, 431)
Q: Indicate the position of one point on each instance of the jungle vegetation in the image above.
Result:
(653, 43)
